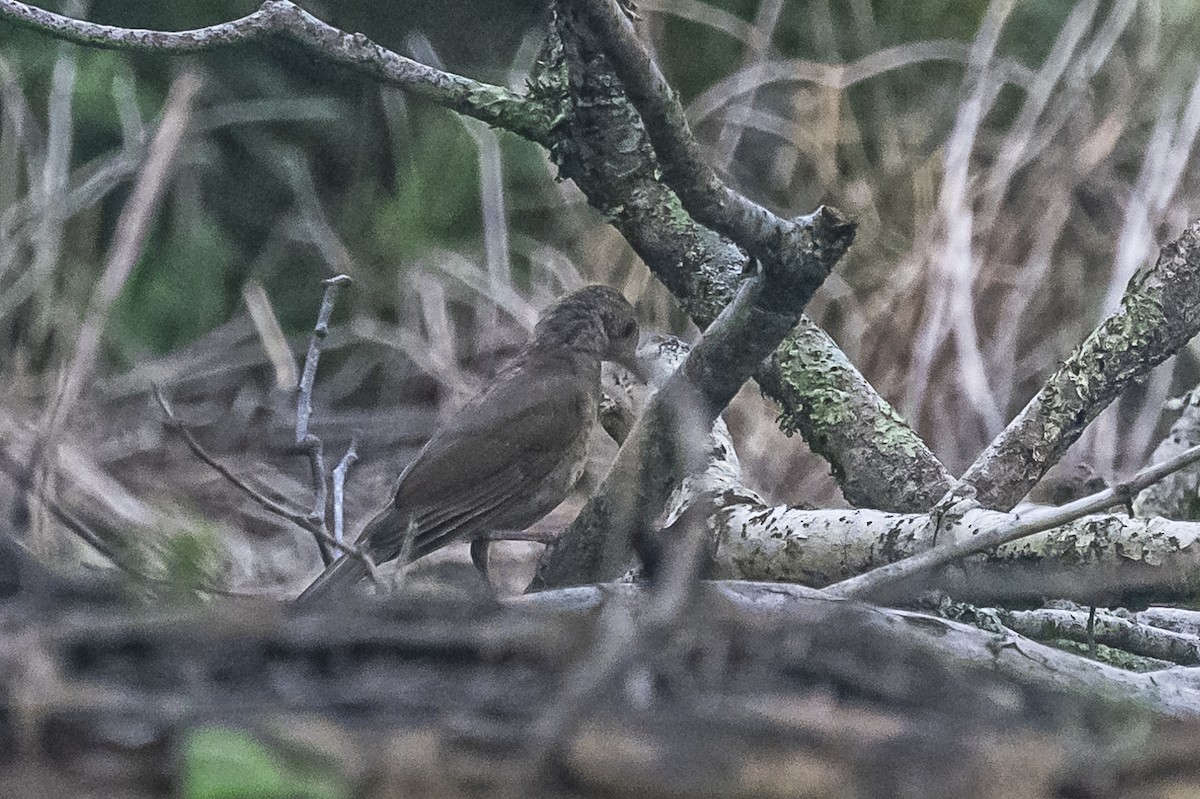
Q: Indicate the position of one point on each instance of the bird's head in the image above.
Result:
(595, 320)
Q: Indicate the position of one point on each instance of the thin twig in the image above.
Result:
(311, 445)
(314, 449)
(302, 520)
(339, 487)
(1021, 526)
(308, 377)
(296, 517)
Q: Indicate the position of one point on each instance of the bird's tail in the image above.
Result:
(335, 581)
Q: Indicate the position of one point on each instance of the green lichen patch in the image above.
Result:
(814, 375)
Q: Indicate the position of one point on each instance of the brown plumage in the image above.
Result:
(511, 454)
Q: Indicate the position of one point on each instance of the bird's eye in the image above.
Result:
(629, 329)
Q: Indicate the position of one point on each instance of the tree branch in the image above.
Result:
(602, 145)
(1048, 624)
(785, 245)
(1103, 559)
(494, 105)
(599, 142)
(1160, 312)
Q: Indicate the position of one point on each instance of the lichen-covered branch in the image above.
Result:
(1098, 559)
(964, 532)
(1159, 313)
(494, 105)
(877, 459)
(781, 245)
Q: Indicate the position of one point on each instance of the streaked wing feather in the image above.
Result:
(386, 533)
(431, 541)
(451, 523)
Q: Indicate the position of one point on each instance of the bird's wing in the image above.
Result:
(490, 457)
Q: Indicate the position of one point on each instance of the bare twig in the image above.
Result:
(339, 487)
(494, 105)
(308, 377)
(314, 448)
(311, 445)
(302, 520)
(1020, 526)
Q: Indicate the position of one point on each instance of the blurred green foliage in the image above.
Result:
(227, 763)
(175, 295)
(191, 560)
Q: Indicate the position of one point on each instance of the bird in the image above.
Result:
(511, 454)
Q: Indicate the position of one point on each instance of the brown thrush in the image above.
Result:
(511, 454)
